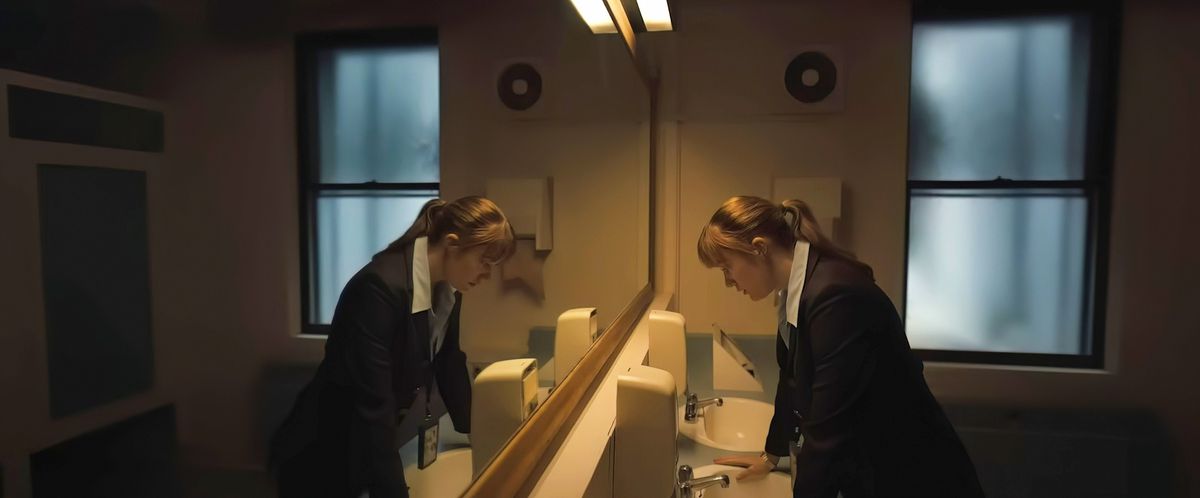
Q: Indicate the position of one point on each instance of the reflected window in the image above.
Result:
(368, 133)
(1009, 153)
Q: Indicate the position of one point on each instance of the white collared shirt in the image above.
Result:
(423, 298)
(789, 299)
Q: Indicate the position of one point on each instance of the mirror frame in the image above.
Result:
(518, 466)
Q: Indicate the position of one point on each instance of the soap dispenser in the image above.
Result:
(668, 347)
(576, 331)
(644, 451)
(504, 395)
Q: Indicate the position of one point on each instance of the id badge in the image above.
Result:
(428, 450)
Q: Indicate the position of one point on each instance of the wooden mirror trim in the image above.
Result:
(519, 464)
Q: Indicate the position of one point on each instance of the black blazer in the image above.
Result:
(341, 436)
(856, 392)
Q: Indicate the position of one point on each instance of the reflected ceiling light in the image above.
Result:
(596, 15)
(655, 14)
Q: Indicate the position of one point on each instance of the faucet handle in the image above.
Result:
(688, 487)
(685, 473)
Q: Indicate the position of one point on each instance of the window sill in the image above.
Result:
(1017, 368)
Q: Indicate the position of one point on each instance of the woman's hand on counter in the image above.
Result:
(757, 467)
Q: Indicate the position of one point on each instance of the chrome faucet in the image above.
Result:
(689, 486)
(692, 410)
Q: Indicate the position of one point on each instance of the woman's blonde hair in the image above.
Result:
(740, 219)
(476, 220)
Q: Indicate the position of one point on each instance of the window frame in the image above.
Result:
(1104, 18)
(306, 46)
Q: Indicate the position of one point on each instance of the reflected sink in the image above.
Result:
(775, 484)
(448, 477)
(740, 425)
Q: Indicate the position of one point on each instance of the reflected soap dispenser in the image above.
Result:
(668, 347)
(576, 331)
(504, 395)
(644, 435)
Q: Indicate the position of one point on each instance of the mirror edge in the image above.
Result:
(530, 449)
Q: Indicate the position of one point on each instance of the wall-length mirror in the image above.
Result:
(551, 122)
(539, 116)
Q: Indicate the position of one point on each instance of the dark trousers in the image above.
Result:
(313, 474)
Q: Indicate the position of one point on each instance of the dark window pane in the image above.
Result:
(997, 271)
(377, 112)
(999, 98)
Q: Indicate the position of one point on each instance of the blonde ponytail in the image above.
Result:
(476, 220)
(804, 226)
(426, 218)
(803, 223)
(740, 219)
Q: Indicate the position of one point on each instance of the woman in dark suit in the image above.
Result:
(849, 383)
(394, 332)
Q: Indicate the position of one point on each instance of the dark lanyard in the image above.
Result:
(428, 374)
(429, 347)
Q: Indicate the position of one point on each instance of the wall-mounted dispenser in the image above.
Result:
(577, 330)
(504, 395)
(644, 434)
(528, 205)
(668, 347)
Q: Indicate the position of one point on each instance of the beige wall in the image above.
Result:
(717, 71)
(593, 263)
(591, 139)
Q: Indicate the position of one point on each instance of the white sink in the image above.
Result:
(739, 425)
(448, 477)
(775, 484)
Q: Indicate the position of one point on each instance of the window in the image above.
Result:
(368, 132)
(1010, 128)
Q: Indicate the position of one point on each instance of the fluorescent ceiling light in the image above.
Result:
(595, 14)
(655, 14)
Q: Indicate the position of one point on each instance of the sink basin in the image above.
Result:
(775, 484)
(448, 477)
(740, 425)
